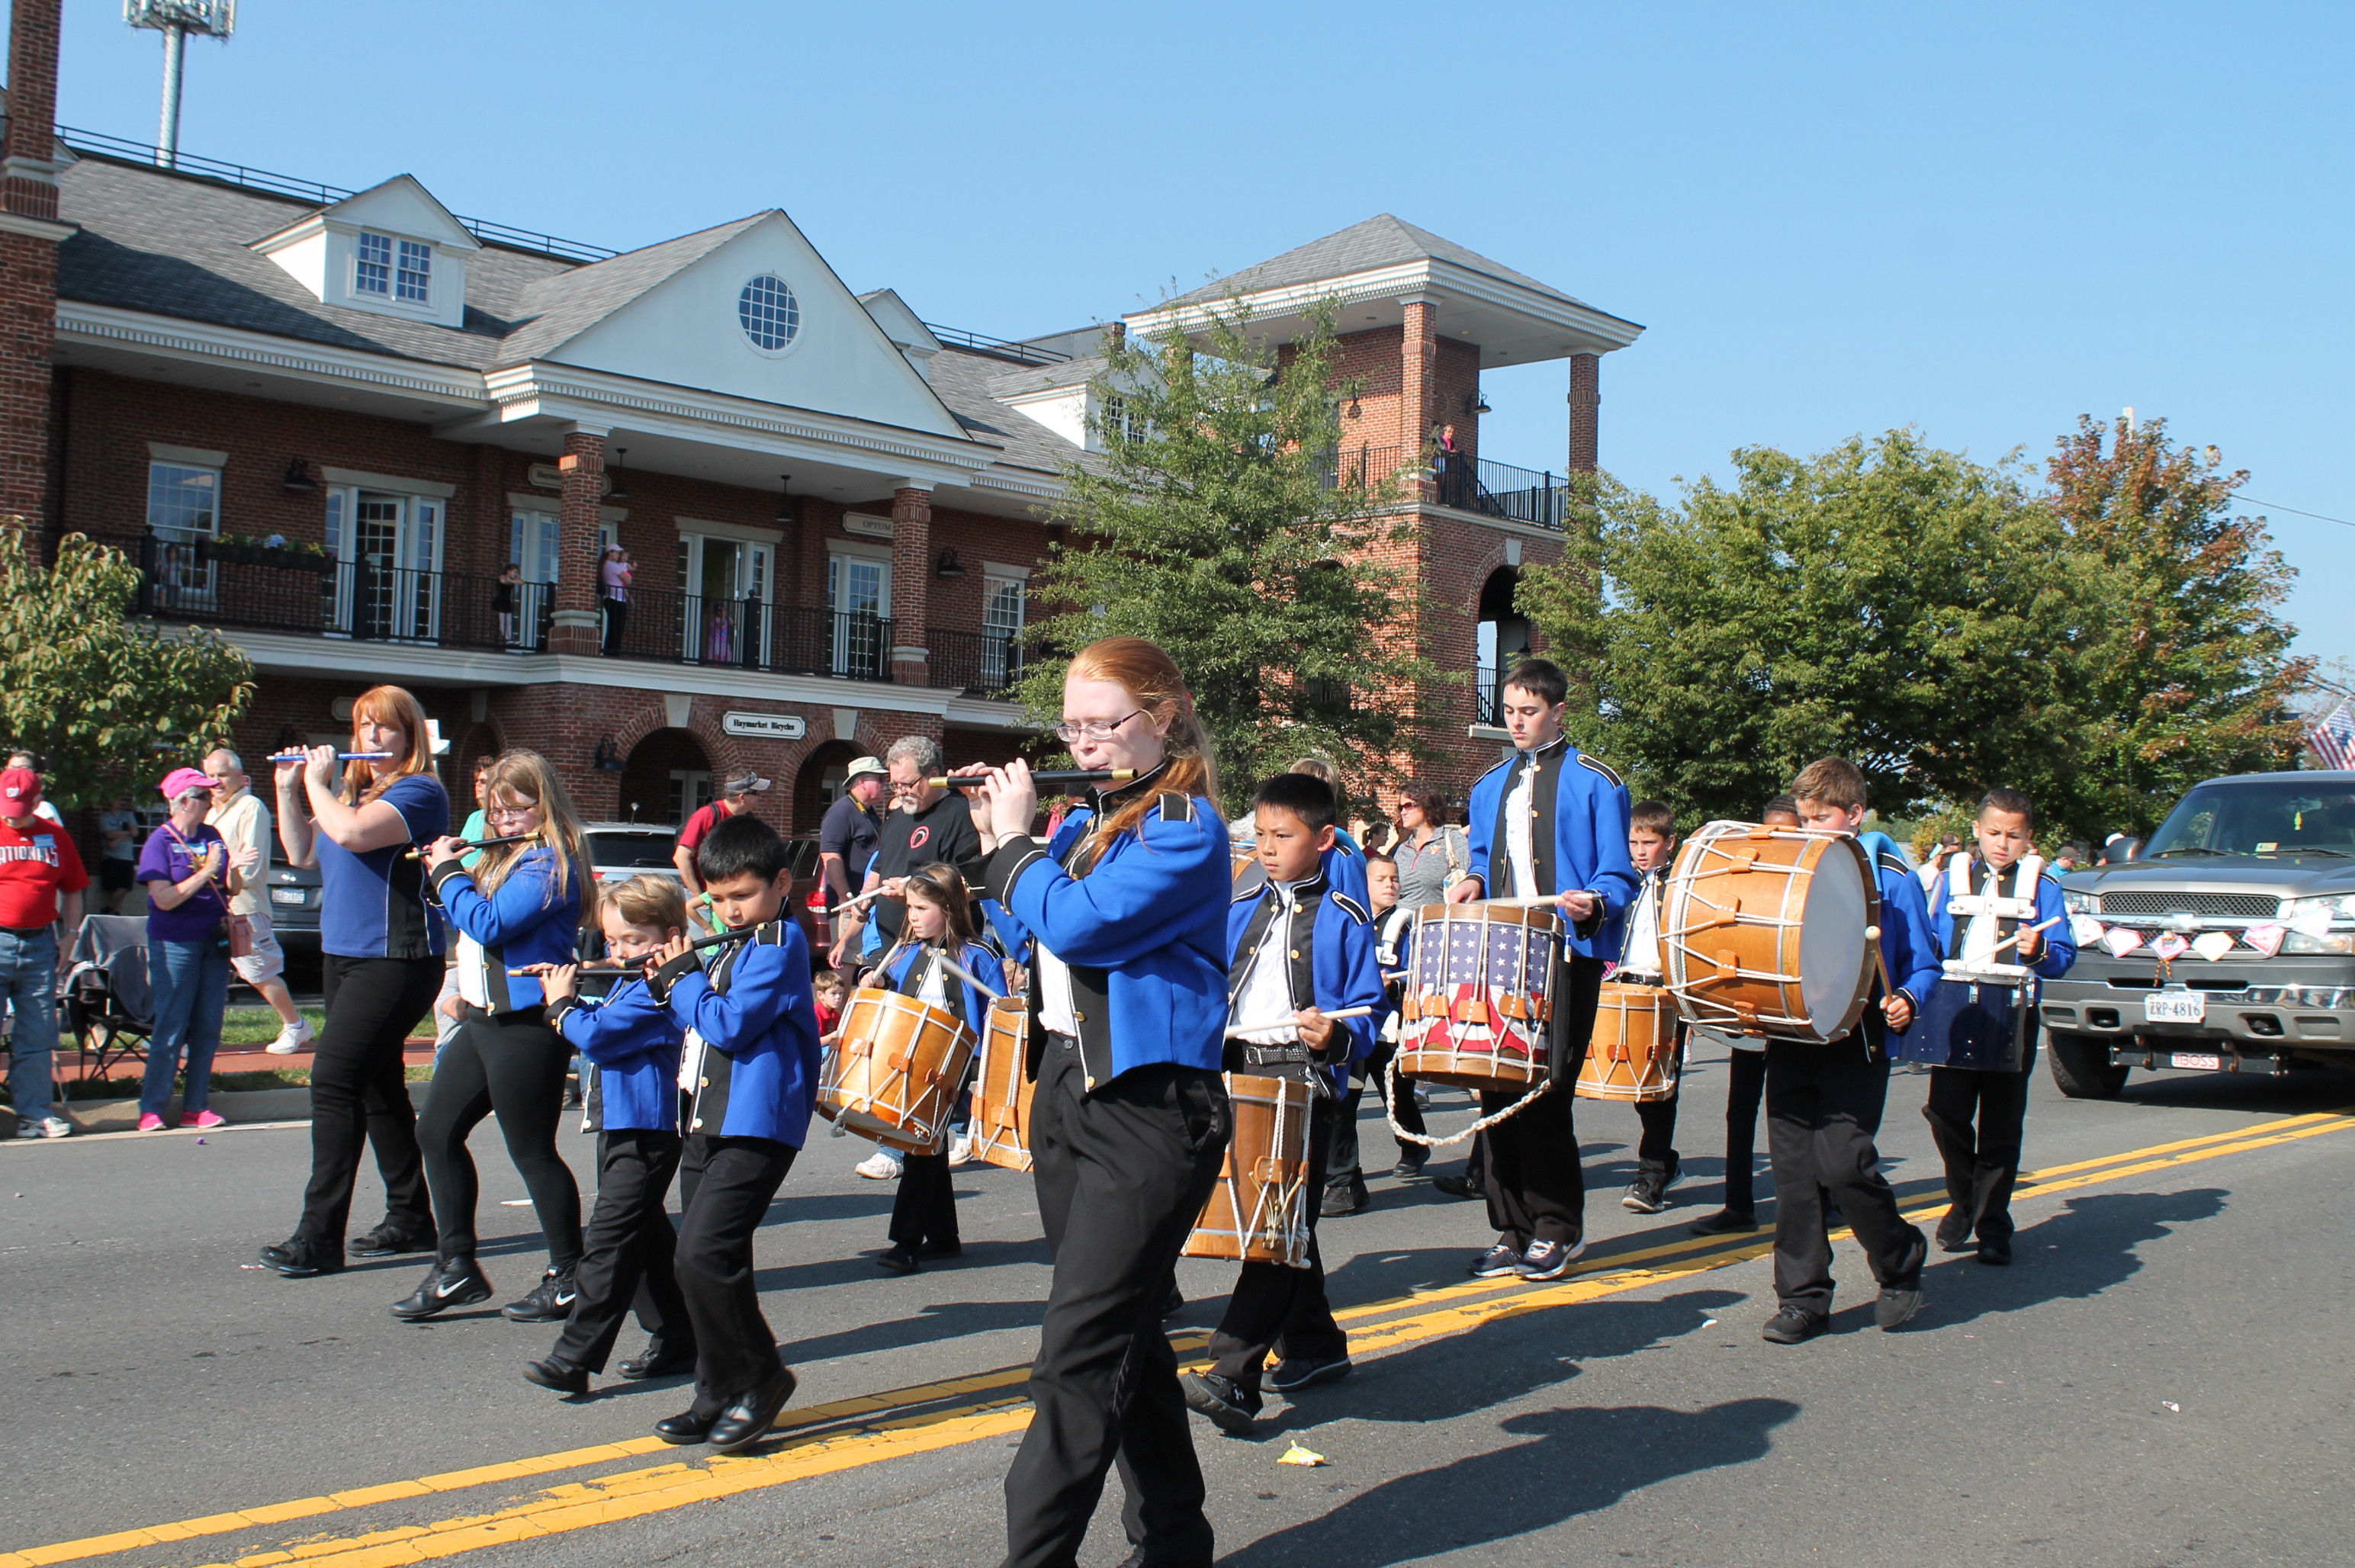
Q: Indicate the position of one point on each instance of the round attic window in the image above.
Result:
(771, 316)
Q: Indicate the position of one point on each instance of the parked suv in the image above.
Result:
(620, 850)
(2228, 946)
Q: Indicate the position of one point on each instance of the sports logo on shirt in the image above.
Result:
(921, 836)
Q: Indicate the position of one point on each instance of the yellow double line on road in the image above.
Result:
(852, 1432)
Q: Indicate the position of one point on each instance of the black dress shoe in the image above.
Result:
(687, 1426)
(1793, 1325)
(1407, 1170)
(556, 1373)
(897, 1258)
(1996, 1252)
(931, 1250)
(302, 1257)
(1724, 1223)
(449, 1283)
(1456, 1187)
(1955, 1232)
(1232, 1408)
(1341, 1202)
(659, 1359)
(1173, 1303)
(388, 1239)
(747, 1420)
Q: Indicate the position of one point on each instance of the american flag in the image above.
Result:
(2333, 739)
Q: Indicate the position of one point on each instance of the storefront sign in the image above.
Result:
(867, 523)
(767, 726)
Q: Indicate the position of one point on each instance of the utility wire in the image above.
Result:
(2317, 516)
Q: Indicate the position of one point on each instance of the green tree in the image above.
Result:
(109, 702)
(1884, 601)
(1216, 522)
(2189, 672)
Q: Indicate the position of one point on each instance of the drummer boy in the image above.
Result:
(1652, 849)
(1298, 950)
(1974, 907)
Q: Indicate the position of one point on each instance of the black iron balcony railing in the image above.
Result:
(1468, 484)
(982, 663)
(1489, 696)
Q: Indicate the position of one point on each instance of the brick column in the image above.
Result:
(1419, 382)
(578, 627)
(1584, 398)
(30, 235)
(911, 583)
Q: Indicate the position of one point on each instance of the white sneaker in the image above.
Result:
(43, 1128)
(883, 1165)
(960, 1150)
(293, 1038)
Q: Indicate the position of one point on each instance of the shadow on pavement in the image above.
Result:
(2082, 1250)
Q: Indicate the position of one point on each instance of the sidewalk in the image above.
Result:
(73, 1066)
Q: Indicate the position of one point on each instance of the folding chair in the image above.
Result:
(107, 1003)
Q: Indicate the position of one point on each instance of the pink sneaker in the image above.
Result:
(204, 1119)
(151, 1122)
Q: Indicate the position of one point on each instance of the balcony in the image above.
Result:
(364, 600)
(1538, 499)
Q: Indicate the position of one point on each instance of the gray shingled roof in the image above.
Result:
(964, 382)
(1379, 242)
(1041, 378)
(559, 308)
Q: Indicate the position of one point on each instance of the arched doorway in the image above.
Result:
(1503, 638)
(819, 783)
(665, 778)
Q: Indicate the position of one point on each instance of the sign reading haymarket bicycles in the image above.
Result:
(768, 726)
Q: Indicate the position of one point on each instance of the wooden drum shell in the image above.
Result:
(1632, 1054)
(1001, 1088)
(1763, 931)
(1259, 1211)
(893, 1074)
(1460, 1045)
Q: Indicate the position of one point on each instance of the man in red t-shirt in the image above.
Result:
(736, 793)
(39, 870)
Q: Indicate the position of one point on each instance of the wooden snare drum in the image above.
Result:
(893, 1074)
(1479, 993)
(1001, 1089)
(1632, 1055)
(1771, 931)
(1259, 1210)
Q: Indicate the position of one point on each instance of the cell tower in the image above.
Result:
(175, 19)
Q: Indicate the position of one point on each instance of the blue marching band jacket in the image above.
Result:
(1142, 932)
(1906, 944)
(635, 1044)
(751, 1057)
(1972, 908)
(523, 920)
(1578, 836)
(1328, 948)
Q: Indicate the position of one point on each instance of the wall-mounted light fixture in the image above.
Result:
(298, 476)
(613, 491)
(948, 565)
(785, 498)
(1474, 403)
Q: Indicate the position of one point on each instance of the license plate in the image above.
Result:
(2175, 1007)
(2200, 1059)
(285, 895)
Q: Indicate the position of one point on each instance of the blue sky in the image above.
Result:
(1979, 220)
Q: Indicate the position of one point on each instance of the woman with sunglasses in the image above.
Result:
(190, 872)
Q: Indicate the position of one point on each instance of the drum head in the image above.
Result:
(1833, 937)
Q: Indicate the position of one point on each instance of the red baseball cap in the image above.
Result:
(20, 790)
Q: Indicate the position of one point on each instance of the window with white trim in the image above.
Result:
(393, 269)
(372, 273)
(1001, 628)
(183, 502)
(414, 278)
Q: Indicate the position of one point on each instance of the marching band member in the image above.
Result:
(1300, 949)
(752, 1065)
(1974, 906)
(1552, 824)
(1345, 1180)
(1745, 1085)
(1652, 847)
(635, 1044)
(938, 924)
(1126, 906)
(1824, 1102)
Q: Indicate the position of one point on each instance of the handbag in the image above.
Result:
(240, 936)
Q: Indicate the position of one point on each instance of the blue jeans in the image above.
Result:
(190, 981)
(28, 976)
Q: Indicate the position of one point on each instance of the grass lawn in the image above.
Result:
(260, 1026)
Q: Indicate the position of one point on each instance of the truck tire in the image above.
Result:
(2080, 1066)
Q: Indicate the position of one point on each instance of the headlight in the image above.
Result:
(2077, 903)
(2323, 925)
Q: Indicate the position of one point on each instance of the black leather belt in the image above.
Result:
(26, 930)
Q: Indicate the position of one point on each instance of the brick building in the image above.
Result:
(832, 507)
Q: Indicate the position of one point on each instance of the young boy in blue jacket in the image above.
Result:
(1824, 1102)
(1974, 907)
(634, 1045)
(750, 1066)
(1299, 949)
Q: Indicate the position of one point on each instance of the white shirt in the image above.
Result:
(1520, 842)
(1057, 1012)
(934, 989)
(1264, 1005)
(473, 983)
(1642, 954)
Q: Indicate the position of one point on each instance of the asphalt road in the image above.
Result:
(2161, 1379)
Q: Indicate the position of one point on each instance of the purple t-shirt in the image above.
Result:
(167, 857)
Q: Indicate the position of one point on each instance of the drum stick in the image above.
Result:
(602, 967)
(1289, 1023)
(961, 973)
(475, 844)
(877, 892)
(340, 756)
(2013, 939)
(1048, 776)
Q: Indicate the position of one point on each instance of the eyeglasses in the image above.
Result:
(509, 813)
(1090, 729)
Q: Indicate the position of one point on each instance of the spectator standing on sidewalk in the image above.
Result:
(41, 879)
(247, 826)
(736, 793)
(190, 871)
(118, 837)
(845, 838)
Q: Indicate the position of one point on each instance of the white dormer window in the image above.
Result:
(413, 279)
(376, 271)
(393, 250)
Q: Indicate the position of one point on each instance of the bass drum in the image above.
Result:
(1771, 931)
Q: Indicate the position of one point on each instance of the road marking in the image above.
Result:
(990, 1408)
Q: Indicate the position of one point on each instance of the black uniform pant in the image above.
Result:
(1275, 1307)
(1656, 1148)
(1823, 1106)
(628, 1252)
(1537, 1187)
(1981, 1168)
(1122, 1176)
(514, 1065)
(925, 1209)
(359, 1094)
(726, 1186)
(1745, 1082)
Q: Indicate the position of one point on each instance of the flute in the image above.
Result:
(615, 966)
(1051, 776)
(340, 756)
(415, 854)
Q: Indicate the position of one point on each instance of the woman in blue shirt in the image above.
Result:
(381, 967)
(520, 904)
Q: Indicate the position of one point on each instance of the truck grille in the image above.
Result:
(2242, 906)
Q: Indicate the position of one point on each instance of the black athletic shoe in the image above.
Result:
(1550, 1260)
(550, 1300)
(898, 1258)
(1232, 1408)
(449, 1283)
(1996, 1252)
(388, 1239)
(1300, 1372)
(1724, 1223)
(1955, 1232)
(1407, 1170)
(659, 1359)
(1496, 1263)
(556, 1373)
(1793, 1325)
(1341, 1202)
(300, 1257)
(1897, 1306)
(1456, 1187)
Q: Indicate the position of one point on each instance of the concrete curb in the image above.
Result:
(254, 1106)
